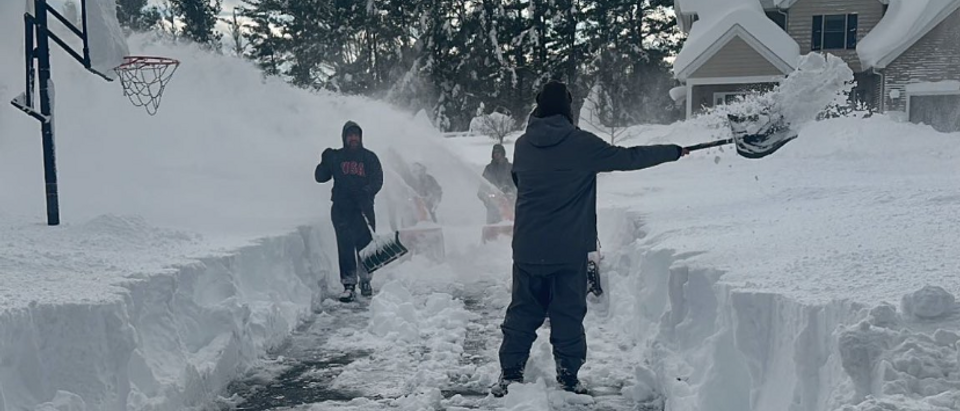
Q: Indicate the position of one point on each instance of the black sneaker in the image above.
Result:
(348, 294)
(506, 378)
(365, 289)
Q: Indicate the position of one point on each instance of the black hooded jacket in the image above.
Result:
(555, 165)
(357, 174)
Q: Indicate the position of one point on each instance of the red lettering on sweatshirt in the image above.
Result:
(352, 168)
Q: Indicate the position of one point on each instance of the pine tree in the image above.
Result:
(199, 18)
(266, 47)
(236, 31)
(136, 16)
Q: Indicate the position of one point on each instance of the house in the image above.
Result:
(905, 53)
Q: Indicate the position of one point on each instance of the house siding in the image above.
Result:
(800, 23)
(736, 59)
(935, 57)
(703, 94)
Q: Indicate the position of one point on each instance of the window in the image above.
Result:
(728, 97)
(835, 31)
(778, 17)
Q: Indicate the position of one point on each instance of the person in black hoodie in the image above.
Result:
(357, 178)
(497, 173)
(555, 169)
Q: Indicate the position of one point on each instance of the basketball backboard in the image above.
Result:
(96, 24)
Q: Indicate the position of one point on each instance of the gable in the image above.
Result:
(736, 59)
(937, 49)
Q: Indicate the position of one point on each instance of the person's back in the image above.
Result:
(556, 166)
(555, 169)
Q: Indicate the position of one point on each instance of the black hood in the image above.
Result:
(549, 131)
(348, 126)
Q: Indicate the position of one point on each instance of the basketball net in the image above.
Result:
(144, 78)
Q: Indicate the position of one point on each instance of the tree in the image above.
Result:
(134, 15)
(236, 31)
(199, 18)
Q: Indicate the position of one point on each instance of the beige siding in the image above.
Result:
(935, 57)
(800, 22)
(736, 59)
(703, 95)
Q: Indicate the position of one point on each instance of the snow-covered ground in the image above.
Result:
(820, 278)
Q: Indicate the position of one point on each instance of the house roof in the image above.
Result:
(905, 23)
(721, 22)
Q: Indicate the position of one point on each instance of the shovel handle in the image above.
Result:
(711, 144)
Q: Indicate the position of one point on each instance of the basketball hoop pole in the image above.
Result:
(46, 110)
(36, 30)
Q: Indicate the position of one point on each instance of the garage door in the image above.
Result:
(942, 112)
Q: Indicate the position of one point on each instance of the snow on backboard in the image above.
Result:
(104, 37)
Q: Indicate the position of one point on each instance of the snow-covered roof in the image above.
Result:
(719, 23)
(906, 22)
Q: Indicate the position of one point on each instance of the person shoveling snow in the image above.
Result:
(357, 178)
(555, 168)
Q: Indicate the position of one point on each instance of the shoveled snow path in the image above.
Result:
(428, 340)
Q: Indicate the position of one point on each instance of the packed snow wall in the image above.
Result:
(169, 340)
(716, 346)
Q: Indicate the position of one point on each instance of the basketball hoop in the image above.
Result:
(143, 79)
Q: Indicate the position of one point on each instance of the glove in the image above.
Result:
(325, 157)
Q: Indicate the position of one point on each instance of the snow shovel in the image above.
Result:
(383, 250)
(756, 136)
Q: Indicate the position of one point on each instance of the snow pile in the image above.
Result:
(903, 24)
(718, 18)
(896, 363)
(929, 303)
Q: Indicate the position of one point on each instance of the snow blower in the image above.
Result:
(426, 236)
(755, 136)
(418, 228)
(504, 204)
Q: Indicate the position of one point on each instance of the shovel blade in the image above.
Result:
(758, 136)
(382, 251)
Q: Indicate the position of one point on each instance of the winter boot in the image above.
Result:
(570, 383)
(365, 289)
(348, 294)
(507, 377)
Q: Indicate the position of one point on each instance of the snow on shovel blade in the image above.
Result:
(382, 251)
(758, 136)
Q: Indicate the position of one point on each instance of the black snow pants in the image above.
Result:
(540, 291)
(352, 235)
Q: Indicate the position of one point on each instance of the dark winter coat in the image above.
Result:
(555, 166)
(499, 174)
(357, 174)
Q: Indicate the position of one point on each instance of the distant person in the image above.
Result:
(427, 188)
(498, 174)
(555, 168)
(357, 178)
